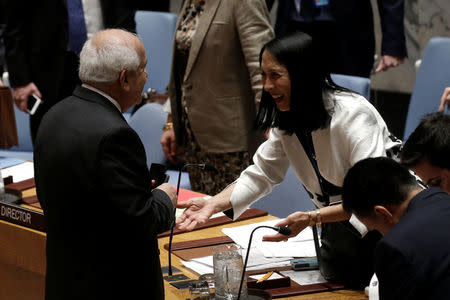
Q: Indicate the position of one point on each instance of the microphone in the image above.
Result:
(185, 166)
(284, 230)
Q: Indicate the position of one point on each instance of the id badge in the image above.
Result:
(321, 3)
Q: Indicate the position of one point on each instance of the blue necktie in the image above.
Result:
(77, 26)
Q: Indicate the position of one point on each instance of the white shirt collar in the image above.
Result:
(116, 104)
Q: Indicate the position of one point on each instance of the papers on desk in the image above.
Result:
(300, 246)
(19, 172)
(305, 277)
(263, 255)
(256, 261)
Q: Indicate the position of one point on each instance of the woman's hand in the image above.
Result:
(296, 222)
(198, 211)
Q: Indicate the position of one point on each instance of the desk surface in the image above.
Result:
(22, 263)
(173, 293)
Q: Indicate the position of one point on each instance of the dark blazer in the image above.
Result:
(355, 31)
(412, 261)
(102, 217)
(36, 38)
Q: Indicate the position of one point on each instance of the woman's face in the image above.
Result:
(276, 81)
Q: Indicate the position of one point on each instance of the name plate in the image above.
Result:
(14, 213)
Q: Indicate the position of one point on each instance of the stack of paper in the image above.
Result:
(301, 245)
(19, 172)
(256, 261)
(263, 255)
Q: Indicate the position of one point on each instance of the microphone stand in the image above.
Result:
(185, 166)
(283, 230)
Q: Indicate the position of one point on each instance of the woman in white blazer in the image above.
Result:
(321, 130)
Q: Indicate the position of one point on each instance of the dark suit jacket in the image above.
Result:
(36, 38)
(355, 31)
(102, 217)
(412, 261)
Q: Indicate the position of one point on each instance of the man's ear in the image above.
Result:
(123, 80)
(384, 213)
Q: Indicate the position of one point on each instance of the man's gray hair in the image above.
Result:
(103, 63)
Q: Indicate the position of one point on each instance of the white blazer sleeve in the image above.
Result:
(269, 168)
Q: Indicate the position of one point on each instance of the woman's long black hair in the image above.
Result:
(309, 78)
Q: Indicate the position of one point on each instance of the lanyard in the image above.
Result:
(327, 188)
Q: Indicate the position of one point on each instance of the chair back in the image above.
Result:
(156, 30)
(361, 85)
(432, 78)
(148, 122)
(25, 148)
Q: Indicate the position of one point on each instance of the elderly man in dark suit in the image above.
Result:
(345, 31)
(92, 180)
(43, 39)
(412, 259)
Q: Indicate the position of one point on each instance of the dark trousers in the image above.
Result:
(65, 87)
(334, 53)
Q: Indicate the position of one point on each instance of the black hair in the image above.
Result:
(309, 78)
(376, 181)
(430, 141)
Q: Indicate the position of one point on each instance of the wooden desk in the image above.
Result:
(22, 263)
(173, 293)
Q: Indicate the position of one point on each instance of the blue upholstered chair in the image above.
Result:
(290, 196)
(25, 148)
(148, 122)
(361, 85)
(432, 78)
(156, 30)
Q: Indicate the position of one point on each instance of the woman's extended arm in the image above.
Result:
(199, 210)
(300, 220)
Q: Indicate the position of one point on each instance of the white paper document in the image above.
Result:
(197, 267)
(256, 261)
(301, 245)
(19, 172)
(305, 277)
(287, 249)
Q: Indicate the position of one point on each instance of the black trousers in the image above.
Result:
(335, 53)
(64, 88)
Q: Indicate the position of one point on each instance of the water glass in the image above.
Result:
(228, 264)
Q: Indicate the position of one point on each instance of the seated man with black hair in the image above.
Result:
(412, 260)
(427, 151)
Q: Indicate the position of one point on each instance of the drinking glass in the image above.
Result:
(228, 263)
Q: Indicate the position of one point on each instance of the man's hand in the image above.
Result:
(388, 61)
(198, 211)
(170, 191)
(296, 222)
(445, 100)
(169, 145)
(21, 94)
